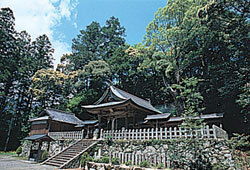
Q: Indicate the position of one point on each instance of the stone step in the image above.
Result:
(62, 159)
(68, 154)
(79, 146)
(53, 164)
(57, 161)
(76, 151)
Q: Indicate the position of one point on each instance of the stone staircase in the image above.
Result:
(70, 155)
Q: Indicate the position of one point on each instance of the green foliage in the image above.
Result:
(95, 43)
(115, 161)
(19, 150)
(20, 58)
(240, 142)
(153, 142)
(160, 166)
(192, 103)
(104, 159)
(108, 140)
(145, 164)
(45, 155)
(128, 163)
(49, 87)
(86, 158)
(240, 146)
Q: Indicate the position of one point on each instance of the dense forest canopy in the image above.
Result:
(194, 59)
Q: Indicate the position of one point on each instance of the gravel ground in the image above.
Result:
(12, 163)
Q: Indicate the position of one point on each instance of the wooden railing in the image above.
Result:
(67, 135)
(164, 133)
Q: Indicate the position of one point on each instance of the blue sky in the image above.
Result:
(62, 20)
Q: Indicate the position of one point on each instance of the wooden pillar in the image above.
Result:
(99, 122)
(133, 120)
(116, 124)
(113, 124)
(156, 124)
(126, 121)
(48, 145)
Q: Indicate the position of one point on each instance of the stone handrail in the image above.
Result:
(213, 132)
(67, 135)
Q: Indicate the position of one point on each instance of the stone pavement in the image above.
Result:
(12, 163)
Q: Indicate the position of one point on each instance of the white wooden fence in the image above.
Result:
(164, 133)
(67, 135)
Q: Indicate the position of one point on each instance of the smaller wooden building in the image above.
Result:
(52, 120)
(49, 120)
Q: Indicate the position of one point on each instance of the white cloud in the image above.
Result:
(39, 17)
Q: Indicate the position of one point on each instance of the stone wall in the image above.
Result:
(55, 146)
(180, 153)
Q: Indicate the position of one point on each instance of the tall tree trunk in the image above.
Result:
(9, 131)
(177, 102)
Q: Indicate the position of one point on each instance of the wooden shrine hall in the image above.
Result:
(117, 108)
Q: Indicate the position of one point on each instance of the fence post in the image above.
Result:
(214, 132)
(175, 132)
(129, 134)
(161, 133)
(136, 134)
(208, 131)
(156, 133)
(82, 134)
(140, 134)
(185, 133)
(170, 132)
(133, 156)
(202, 134)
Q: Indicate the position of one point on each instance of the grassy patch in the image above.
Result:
(11, 153)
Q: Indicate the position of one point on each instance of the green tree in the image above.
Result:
(95, 43)
(51, 88)
(227, 60)
(171, 35)
(19, 60)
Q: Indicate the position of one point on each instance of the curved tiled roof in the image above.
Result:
(123, 97)
(139, 101)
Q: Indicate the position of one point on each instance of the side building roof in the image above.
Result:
(58, 115)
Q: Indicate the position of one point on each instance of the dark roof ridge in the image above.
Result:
(57, 110)
(131, 94)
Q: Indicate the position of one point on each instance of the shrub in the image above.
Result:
(145, 164)
(98, 160)
(89, 159)
(115, 161)
(128, 163)
(45, 155)
(160, 166)
(86, 158)
(105, 159)
(108, 140)
(19, 150)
